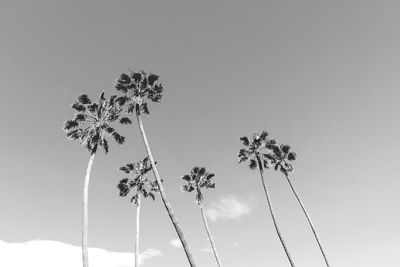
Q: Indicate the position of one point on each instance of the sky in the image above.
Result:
(322, 76)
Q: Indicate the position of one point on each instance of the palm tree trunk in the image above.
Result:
(137, 232)
(209, 236)
(309, 220)
(162, 193)
(271, 210)
(85, 256)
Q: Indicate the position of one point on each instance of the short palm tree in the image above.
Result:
(257, 152)
(137, 88)
(283, 155)
(91, 126)
(197, 179)
(141, 186)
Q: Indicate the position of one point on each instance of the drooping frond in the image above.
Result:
(118, 138)
(253, 164)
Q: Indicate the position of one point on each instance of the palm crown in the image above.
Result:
(140, 183)
(258, 149)
(283, 155)
(90, 125)
(137, 87)
(197, 179)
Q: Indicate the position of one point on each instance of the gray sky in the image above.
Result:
(322, 76)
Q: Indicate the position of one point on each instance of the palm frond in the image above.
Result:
(245, 140)
(186, 178)
(124, 187)
(80, 117)
(152, 78)
(263, 135)
(125, 120)
(137, 77)
(84, 99)
(285, 148)
(118, 138)
(105, 145)
(93, 107)
(131, 107)
(292, 156)
(253, 164)
(78, 107)
(70, 125)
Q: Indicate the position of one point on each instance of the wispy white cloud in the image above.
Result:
(229, 207)
(45, 253)
(176, 243)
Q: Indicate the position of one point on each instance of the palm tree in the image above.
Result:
(90, 127)
(257, 152)
(142, 187)
(282, 156)
(197, 179)
(138, 87)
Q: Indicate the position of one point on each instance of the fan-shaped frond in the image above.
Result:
(152, 78)
(245, 140)
(125, 120)
(292, 156)
(70, 125)
(84, 99)
(78, 107)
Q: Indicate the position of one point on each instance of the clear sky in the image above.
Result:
(322, 76)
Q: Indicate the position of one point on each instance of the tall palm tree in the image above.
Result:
(138, 87)
(197, 179)
(91, 126)
(257, 152)
(283, 155)
(142, 186)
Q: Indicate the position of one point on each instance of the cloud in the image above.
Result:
(176, 243)
(46, 253)
(229, 207)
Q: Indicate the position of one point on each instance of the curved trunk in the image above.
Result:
(137, 232)
(209, 236)
(162, 193)
(309, 220)
(271, 210)
(85, 256)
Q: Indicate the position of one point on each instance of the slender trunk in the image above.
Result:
(85, 256)
(309, 220)
(271, 210)
(209, 236)
(137, 232)
(162, 193)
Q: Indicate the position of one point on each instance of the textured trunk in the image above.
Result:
(85, 256)
(209, 236)
(162, 193)
(271, 210)
(309, 220)
(137, 232)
